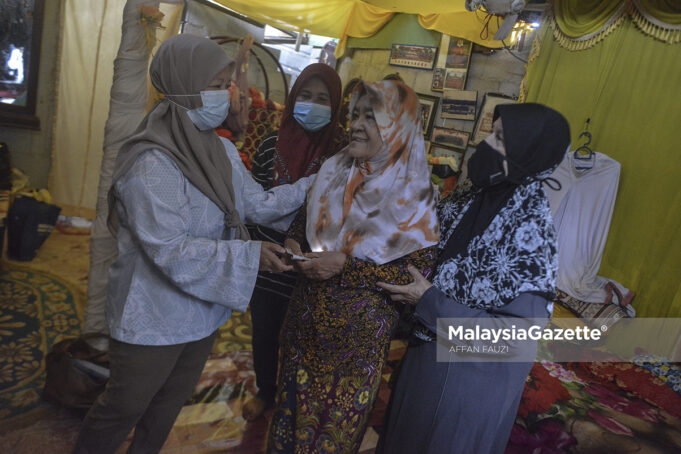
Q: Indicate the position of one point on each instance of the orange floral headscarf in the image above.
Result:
(383, 209)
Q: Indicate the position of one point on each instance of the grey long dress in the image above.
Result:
(456, 407)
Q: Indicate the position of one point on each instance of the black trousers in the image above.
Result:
(267, 315)
(146, 391)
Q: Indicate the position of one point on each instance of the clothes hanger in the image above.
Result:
(584, 155)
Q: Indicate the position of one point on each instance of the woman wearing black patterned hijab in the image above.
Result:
(498, 258)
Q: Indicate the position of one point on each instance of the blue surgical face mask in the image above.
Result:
(312, 117)
(214, 110)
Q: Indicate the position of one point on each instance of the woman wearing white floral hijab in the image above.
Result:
(498, 258)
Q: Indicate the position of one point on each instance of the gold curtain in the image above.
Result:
(629, 86)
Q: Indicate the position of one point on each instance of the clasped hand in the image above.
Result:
(270, 258)
(410, 293)
(321, 266)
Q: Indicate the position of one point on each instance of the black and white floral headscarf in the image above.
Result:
(499, 241)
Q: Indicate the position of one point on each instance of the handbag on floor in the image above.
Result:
(598, 314)
(30, 222)
(76, 372)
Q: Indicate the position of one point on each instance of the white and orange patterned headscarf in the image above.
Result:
(384, 208)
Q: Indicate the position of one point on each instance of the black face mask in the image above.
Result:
(486, 166)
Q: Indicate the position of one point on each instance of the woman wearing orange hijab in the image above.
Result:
(369, 215)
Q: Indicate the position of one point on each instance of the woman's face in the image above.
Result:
(314, 91)
(496, 140)
(222, 80)
(365, 138)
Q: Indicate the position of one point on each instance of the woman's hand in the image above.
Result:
(410, 293)
(270, 261)
(293, 245)
(323, 266)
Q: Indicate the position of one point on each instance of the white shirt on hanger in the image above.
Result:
(582, 210)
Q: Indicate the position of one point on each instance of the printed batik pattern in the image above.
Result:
(334, 343)
(515, 254)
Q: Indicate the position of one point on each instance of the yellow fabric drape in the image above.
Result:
(320, 17)
(362, 19)
(628, 85)
(465, 25)
(421, 6)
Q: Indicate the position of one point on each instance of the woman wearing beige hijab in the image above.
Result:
(179, 198)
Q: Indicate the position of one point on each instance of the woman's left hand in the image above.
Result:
(323, 266)
(410, 293)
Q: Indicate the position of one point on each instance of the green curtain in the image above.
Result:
(660, 19)
(668, 11)
(577, 18)
(629, 85)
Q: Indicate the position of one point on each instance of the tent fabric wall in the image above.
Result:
(91, 35)
(627, 85)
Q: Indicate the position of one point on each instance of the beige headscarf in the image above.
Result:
(184, 65)
(384, 208)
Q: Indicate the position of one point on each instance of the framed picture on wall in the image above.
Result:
(439, 75)
(453, 157)
(455, 79)
(459, 104)
(450, 137)
(458, 53)
(422, 57)
(483, 127)
(427, 108)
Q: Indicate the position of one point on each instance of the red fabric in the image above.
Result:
(257, 101)
(225, 133)
(541, 391)
(297, 147)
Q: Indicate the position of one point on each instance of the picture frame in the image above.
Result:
(428, 105)
(455, 79)
(412, 56)
(450, 137)
(438, 83)
(483, 126)
(458, 53)
(459, 104)
(437, 150)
